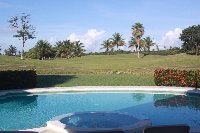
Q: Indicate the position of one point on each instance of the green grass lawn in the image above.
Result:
(122, 69)
(94, 80)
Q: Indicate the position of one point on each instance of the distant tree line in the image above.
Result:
(44, 50)
(170, 51)
(136, 41)
(189, 36)
(63, 49)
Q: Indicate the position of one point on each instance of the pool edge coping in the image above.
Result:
(86, 89)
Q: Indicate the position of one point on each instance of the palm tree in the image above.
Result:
(64, 49)
(68, 48)
(43, 49)
(132, 43)
(148, 42)
(59, 49)
(142, 45)
(117, 40)
(138, 32)
(78, 48)
(107, 44)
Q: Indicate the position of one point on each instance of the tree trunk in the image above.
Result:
(23, 42)
(197, 50)
(22, 52)
(138, 50)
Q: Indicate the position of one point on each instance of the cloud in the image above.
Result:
(171, 38)
(91, 39)
(52, 39)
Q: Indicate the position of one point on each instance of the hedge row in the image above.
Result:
(172, 77)
(19, 79)
(162, 52)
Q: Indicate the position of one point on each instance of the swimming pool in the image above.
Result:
(23, 111)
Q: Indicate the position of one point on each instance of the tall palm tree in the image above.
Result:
(117, 40)
(132, 43)
(142, 45)
(138, 32)
(78, 48)
(148, 42)
(107, 44)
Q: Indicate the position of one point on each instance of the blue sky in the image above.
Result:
(93, 21)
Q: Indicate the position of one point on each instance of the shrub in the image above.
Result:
(198, 78)
(192, 53)
(172, 77)
(19, 79)
(163, 52)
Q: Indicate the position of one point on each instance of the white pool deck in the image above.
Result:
(96, 89)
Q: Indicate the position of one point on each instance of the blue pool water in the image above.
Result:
(99, 120)
(22, 112)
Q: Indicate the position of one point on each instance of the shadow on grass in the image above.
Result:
(53, 80)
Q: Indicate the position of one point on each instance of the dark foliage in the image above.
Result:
(164, 52)
(191, 38)
(19, 79)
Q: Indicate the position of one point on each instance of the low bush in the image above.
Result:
(162, 52)
(172, 77)
(110, 52)
(192, 53)
(198, 78)
(18, 79)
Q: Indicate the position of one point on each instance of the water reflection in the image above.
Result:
(138, 96)
(176, 101)
(18, 101)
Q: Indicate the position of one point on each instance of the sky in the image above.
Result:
(92, 21)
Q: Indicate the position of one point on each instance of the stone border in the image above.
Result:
(147, 89)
